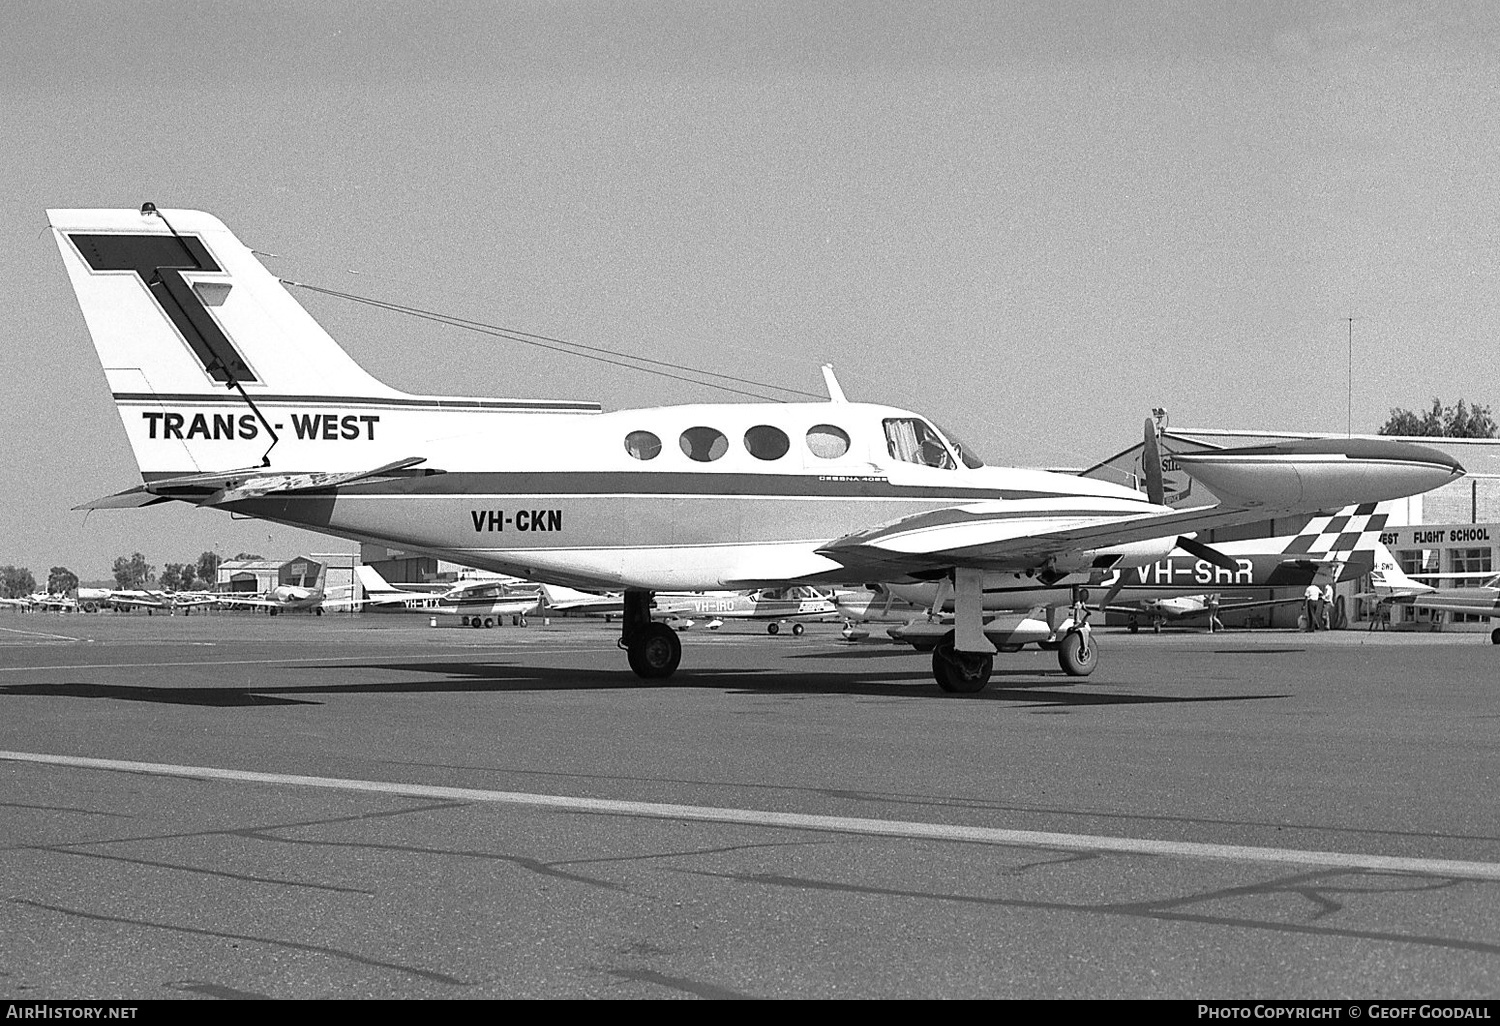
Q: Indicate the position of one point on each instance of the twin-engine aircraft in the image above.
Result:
(233, 397)
(1327, 549)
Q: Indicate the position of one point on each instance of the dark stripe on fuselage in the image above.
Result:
(513, 405)
(948, 517)
(655, 483)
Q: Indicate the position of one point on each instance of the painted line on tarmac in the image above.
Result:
(799, 821)
(39, 634)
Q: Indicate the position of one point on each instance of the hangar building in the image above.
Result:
(258, 576)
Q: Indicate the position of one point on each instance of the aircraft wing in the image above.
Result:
(1254, 483)
(1222, 607)
(1474, 605)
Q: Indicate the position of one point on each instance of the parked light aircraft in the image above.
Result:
(93, 599)
(1327, 549)
(1390, 584)
(486, 603)
(234, 398)
(381, 594)
(778, 605)
(480, 601)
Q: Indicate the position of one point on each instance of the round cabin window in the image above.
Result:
(703, 444)
(765, 442)
(643, 445)
(827, 442)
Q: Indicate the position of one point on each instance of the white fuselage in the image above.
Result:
(560, 497)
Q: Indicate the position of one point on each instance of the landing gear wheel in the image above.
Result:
(1495, 636)
(924, 646)
(1077, 655)
(962, 673)
(488, 622)
(774, 628)
(466, 621)
(797, 630)
(319, 610)
(655, 652)
(476, 622)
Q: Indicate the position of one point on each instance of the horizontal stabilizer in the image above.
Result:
(236, 485)
(131, 498)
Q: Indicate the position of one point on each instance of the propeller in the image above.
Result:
(1151, 465)
(1114, 589)
(1207, 552)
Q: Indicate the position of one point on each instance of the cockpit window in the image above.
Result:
(965, 453)
(913, 441)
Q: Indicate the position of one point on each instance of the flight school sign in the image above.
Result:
(1478, 535)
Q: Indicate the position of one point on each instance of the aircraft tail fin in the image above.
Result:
(1339, 535)
(374, 584)
(213, 364)
(1388, 580)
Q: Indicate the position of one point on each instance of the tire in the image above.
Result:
(797, 630)
(476, 622)
(488, 622)
(466, 621)
(960, 674)
(1495, 636)
(773, 628)
(655, 652)
(924, 646)
(1077, 655)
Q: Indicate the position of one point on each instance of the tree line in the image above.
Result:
(131, 573)
(1460, 420)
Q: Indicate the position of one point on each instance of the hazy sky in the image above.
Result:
(1031, 221)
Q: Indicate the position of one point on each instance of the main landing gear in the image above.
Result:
(652, 648)
(964, 658)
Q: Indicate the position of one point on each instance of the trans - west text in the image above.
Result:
(326, 427)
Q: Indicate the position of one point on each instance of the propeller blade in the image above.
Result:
(1208, 553)
(1114, 590)
(1151, 464)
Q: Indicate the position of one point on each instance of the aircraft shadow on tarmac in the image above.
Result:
(1035, 689)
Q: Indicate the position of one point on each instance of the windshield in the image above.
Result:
(971, 459)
